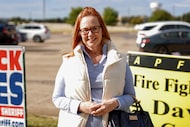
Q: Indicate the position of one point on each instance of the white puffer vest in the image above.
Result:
(77, 84)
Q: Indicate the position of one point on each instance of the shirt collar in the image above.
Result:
(104, 50)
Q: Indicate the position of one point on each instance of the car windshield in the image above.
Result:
(149, 27)
(166, 27)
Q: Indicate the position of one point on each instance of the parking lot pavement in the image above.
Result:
(42, 61)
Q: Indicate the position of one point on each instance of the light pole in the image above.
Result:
(174, 10)
(44, 9)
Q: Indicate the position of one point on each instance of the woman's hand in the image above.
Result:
(98, 109)
(88, 107)
(104, 107)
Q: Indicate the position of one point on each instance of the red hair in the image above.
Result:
(88, 11)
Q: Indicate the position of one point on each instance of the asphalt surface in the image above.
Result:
(42, 61)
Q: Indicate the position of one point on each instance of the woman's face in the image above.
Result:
(91, 32)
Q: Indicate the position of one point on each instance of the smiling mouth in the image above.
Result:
(91, 39)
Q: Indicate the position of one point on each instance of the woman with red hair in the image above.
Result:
(94, 78)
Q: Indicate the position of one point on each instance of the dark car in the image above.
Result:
(8, 35)
(177, 40)
(18, 36)
(22, 36)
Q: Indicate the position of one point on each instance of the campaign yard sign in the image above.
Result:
(162, 84)
(12, 87)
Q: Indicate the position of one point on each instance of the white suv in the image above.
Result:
(35, 32)
(151, 28)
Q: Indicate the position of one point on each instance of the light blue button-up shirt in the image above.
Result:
(95, 75)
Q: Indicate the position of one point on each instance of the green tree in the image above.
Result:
(160, 15)
(136, 20)
(186, 17)
(110, 16)
(73, 15)
(124, 20)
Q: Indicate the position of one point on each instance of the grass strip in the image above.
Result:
(41, 121)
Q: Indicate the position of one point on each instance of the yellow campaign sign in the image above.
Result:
(162, 84)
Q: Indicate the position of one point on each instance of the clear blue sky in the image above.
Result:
(60, 8)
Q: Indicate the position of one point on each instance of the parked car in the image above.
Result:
(19, 37)
(167, 42)
(8, 36)
(151, 28)
(35, 32)
(22, 37)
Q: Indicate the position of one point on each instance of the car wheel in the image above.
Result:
(161, 49)
(37, 38)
